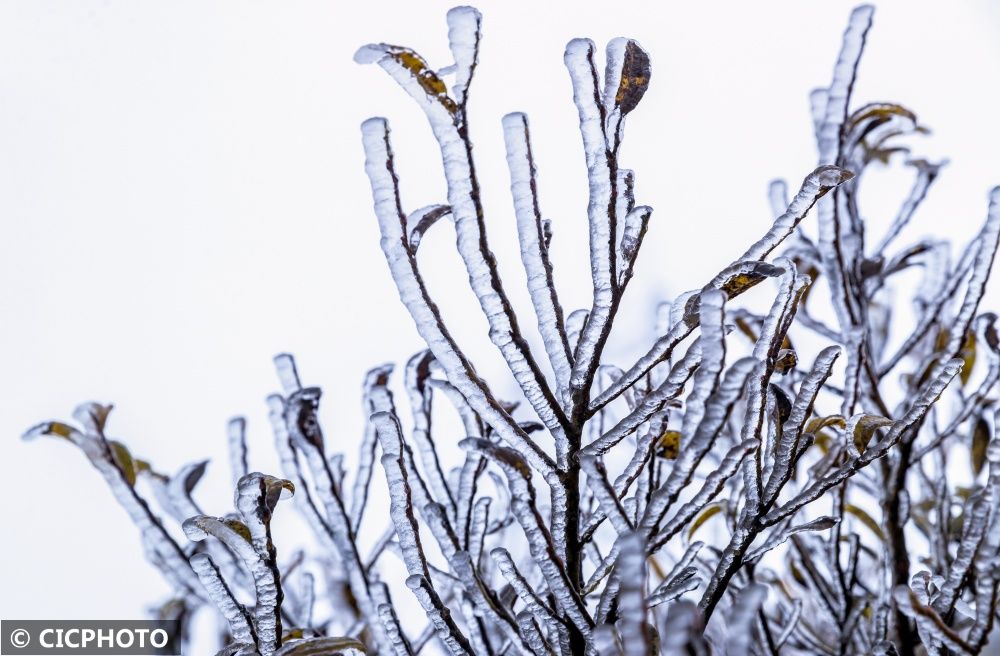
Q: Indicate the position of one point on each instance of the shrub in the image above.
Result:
(847, 522)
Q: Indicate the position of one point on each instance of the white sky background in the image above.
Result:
(182, 196)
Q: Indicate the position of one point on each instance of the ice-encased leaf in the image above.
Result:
(626, 76)
(323, 646)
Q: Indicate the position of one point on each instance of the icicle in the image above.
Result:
(713, 349)
(466, 494)
(407, 533)
(973, 530)
(777, 197)
(440, 527)
(636, 222)
(463, 40)
(288, 374)
(839, 94)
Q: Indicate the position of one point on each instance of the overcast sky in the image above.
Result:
(182, 196)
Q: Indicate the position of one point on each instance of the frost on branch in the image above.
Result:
(764, 477)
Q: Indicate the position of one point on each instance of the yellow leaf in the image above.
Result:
(710, 511)
(968, 355)
(120, 454)
(669, 444)
(865, 519)
(865, 428)
(238, 527)
(59, 429)
(819, 423)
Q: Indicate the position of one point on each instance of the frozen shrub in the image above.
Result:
(835, 519)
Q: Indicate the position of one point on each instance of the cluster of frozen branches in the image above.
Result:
(849, 494)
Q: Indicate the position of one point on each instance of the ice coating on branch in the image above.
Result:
(741, 618)
(449, 634)
(989, 240)
(632, 597)
(815, 186)
(249, 538)
(899, 556)
(926, 174)
(445, 117)
(236, 429)
(113, 461)
(375, 397)
(538, 537)
(463, 40)
(420, 221)
(534, 242)
(412, 292)
(241, 622)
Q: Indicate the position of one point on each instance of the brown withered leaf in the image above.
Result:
(636, 71)
(979, 443)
